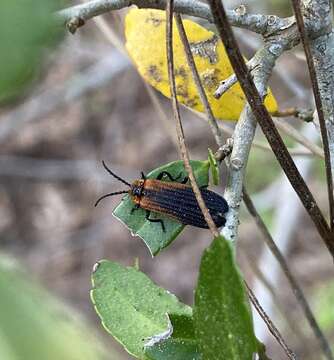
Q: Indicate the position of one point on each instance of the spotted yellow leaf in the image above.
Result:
(145, 32)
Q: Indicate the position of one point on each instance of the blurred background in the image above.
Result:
(70, 101)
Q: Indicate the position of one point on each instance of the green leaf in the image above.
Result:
(213, 167)
(131, 307)
(27, 27)
(183, 326)
(223, 322)
(181, 345)
(174, 349)
(34, 325)
(152, 233)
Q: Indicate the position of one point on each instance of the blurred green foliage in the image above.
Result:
(319, 171)
(324, 306)
(27, 28)
(34, 326)
(262, 170)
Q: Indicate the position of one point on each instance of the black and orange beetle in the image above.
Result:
(172, 199)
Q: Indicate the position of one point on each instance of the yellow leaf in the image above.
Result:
(145, 32)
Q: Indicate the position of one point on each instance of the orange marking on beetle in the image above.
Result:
(148, 204)
(153, 184)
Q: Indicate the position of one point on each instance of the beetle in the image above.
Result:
(173, 199)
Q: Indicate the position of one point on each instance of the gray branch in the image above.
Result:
(243, 138)
(226, 84)
(319, 15)
(76, 16)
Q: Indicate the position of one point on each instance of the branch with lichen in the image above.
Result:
(319, 51)
(242, 140)
(255, 100)
(76, 16)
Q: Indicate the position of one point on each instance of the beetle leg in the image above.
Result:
(161, 175)
(148, 212)
(185, 180)
(143, 176)
(136, 207)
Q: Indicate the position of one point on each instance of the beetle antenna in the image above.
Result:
(110, 194)
(114, 175)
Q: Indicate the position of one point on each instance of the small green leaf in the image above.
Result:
(213, 167)
(181, 345)
(183, 326)
(131, 307)
(174, 349)
(223, 322)
(152, 233)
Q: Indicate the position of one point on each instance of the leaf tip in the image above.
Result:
(155, 339)
(96, 266)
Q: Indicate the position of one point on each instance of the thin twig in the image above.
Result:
(286, 112)
(293, 325)
(316, 92)
(267, 125)
(115, 40)
(229, 131)
(292, 151)
(288, 214)
(111, 35)
(224, 151)
(259, 23)
(300, 138)
(271, 327)
(298, 292)
(191, 63)
(226, 84)
(179, 129)
(162, 116)
(302, 114)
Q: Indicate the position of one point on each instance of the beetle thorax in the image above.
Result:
(136, 191)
